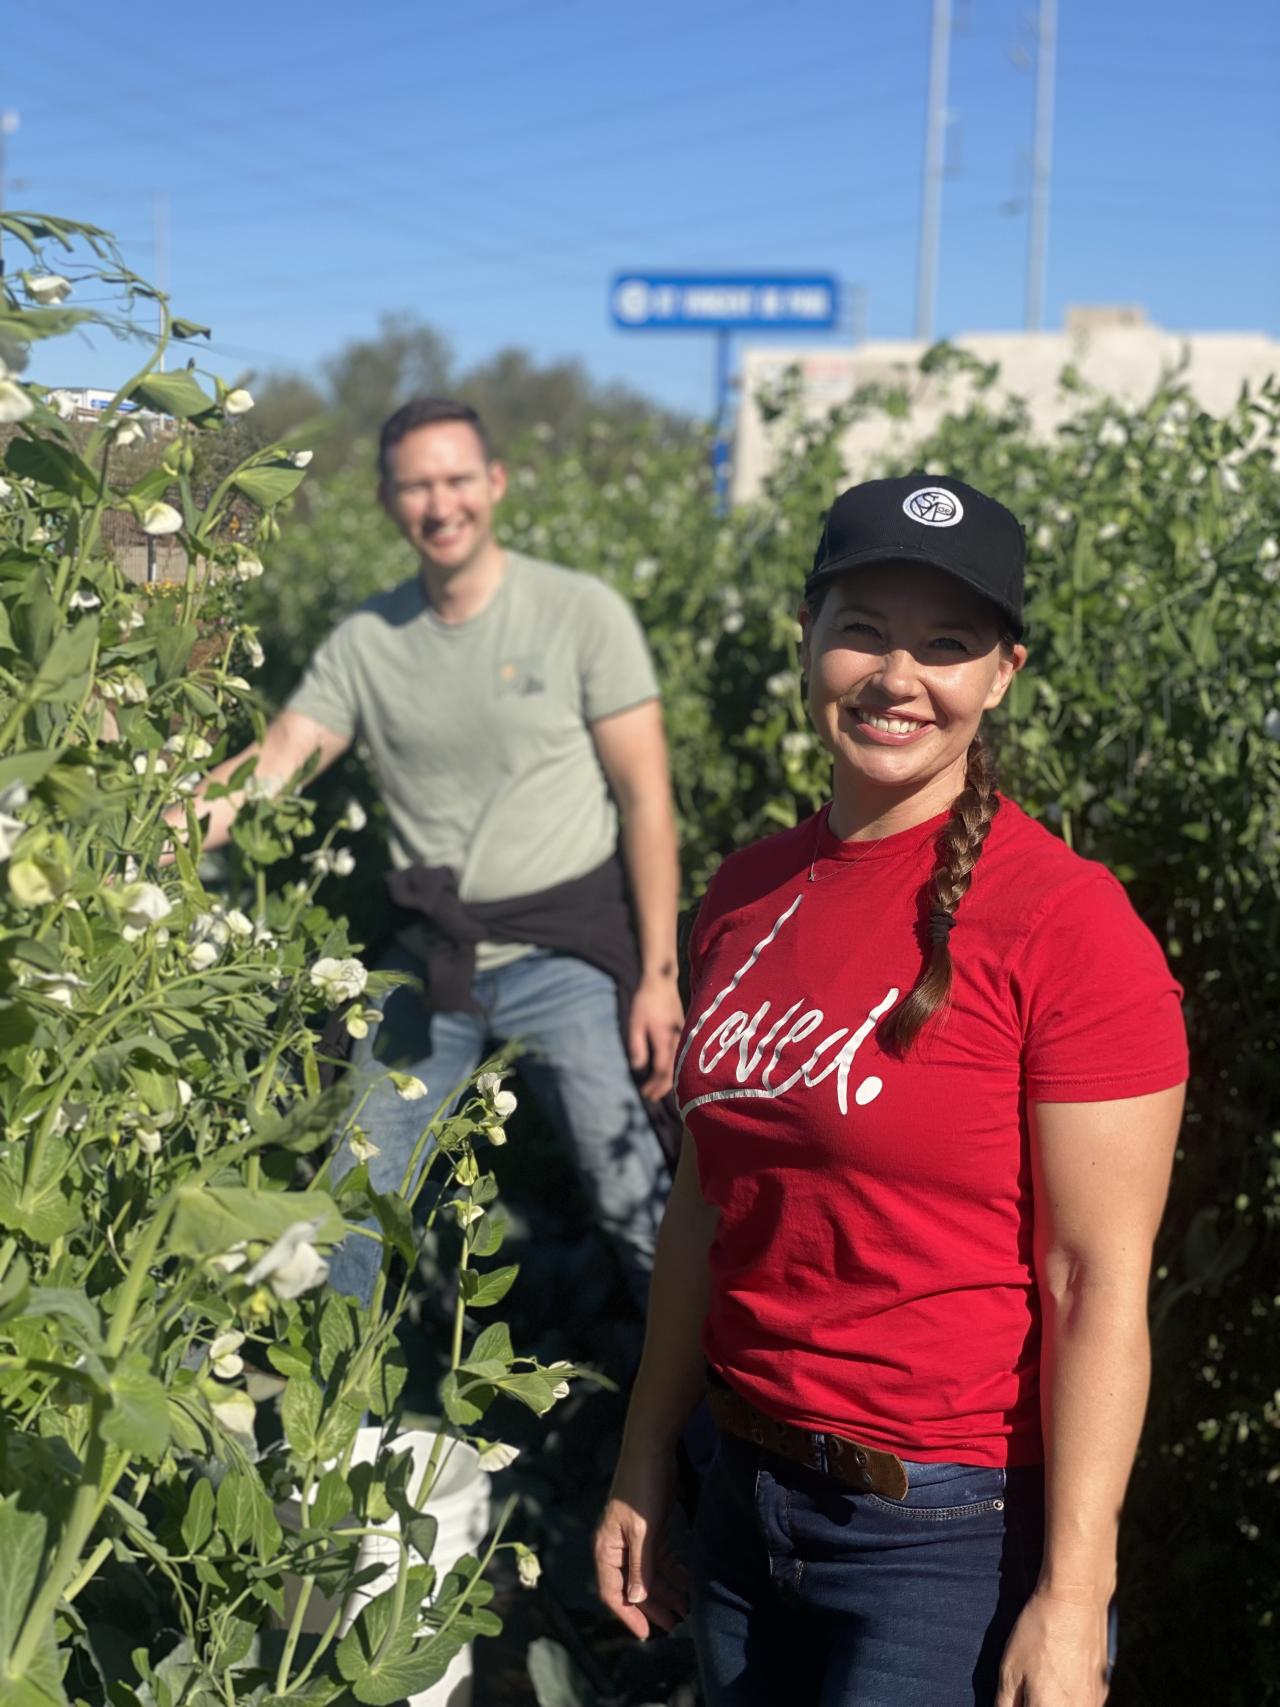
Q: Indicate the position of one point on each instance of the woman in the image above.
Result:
(932, 1073)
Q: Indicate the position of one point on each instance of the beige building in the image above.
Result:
(1113, 349)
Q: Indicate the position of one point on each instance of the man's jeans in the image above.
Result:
(810, 1594)
(566, 1013)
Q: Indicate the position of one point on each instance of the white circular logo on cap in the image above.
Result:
(934, 507)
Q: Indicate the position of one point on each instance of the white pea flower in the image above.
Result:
(1269, 550)
(260, 787)
(195, 747)
(645, 570)
(212, 927)
(10, 829)
(230, 1262)
(6, 491)
(293, 1265)
(796, 743)
(144, 904)
(354, 816)
(528, 1569)
(362, 1147)
(320, 860)
(238, 924)
(47, 288)
(223, 1358)
(57, 986)
(149, 1140)
(498, 1456)
(1108, 531)
(495, 1135)
(488, 1084)
(15, 404)
(1271, 724)
(343, 863)
(302, 458)
(467, 1213)
(161, 519)
(262, 937)
(236, 1413)
(560, 1390)
(203, 956)
(142, 762)
(62, 403)
(1229, 478)
(38, 536)
(83, 599)
(1112, 434)
(504, 1104)
(358, 1020)
(254, 652)
(1043, 540)
(409, 1087)
(733, 622)
(339, 980)
(128, 430)
(237, 402)
(248, 568)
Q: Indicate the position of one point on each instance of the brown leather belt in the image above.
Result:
(855, 1466)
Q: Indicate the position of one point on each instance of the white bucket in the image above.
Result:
(459, 1502)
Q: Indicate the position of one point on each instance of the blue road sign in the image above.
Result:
(730, 302)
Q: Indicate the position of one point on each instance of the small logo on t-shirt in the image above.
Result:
(934, 507)
(521, 675)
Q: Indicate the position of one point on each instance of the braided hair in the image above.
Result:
(959, 846)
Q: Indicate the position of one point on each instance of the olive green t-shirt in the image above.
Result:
(478, 731)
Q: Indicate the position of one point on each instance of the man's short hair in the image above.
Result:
(429, 412)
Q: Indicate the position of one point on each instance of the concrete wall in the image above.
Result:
(1126, 360)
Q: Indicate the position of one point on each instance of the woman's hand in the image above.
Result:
(639, 1581)
(1057, 1654)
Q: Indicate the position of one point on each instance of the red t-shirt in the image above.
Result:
(872, 1269)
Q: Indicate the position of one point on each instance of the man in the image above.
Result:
(507, 705)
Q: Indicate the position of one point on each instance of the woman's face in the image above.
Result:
(902, 662)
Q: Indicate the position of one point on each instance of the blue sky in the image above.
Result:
(488, 167)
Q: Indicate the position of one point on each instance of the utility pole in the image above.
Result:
(935, 146)
(1038, 232)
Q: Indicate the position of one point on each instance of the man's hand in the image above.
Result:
(639, 1581)
(1057, 1654)
(657, 1018)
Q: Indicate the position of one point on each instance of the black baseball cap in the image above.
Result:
(932, 519)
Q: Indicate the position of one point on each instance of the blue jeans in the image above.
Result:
(566, 1013)
(810, 1594)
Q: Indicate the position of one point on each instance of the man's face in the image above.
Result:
(441, 493)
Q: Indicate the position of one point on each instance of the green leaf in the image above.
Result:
(197, 1520)
(15, 1288)
(210, 1219)
(138, 1418)
(337, 1431)
(23, 1540)
(482, 1289)
(331, 1501)
(300, 1413)
(51, 464)
(236, 1507)
(405, 1666)
(490, 1234)
(493, 1343)
(536, 1389)
(556, 1681)
(337, 1333)
(465, 1401)
(288, 1359)
(183, 329)
(68, 1305)
(268, 485)
(45, 1206)
(176, 394)
(396, 1220)
(26, 767)
(65, 669)
(173, 648)
(386, 1383)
